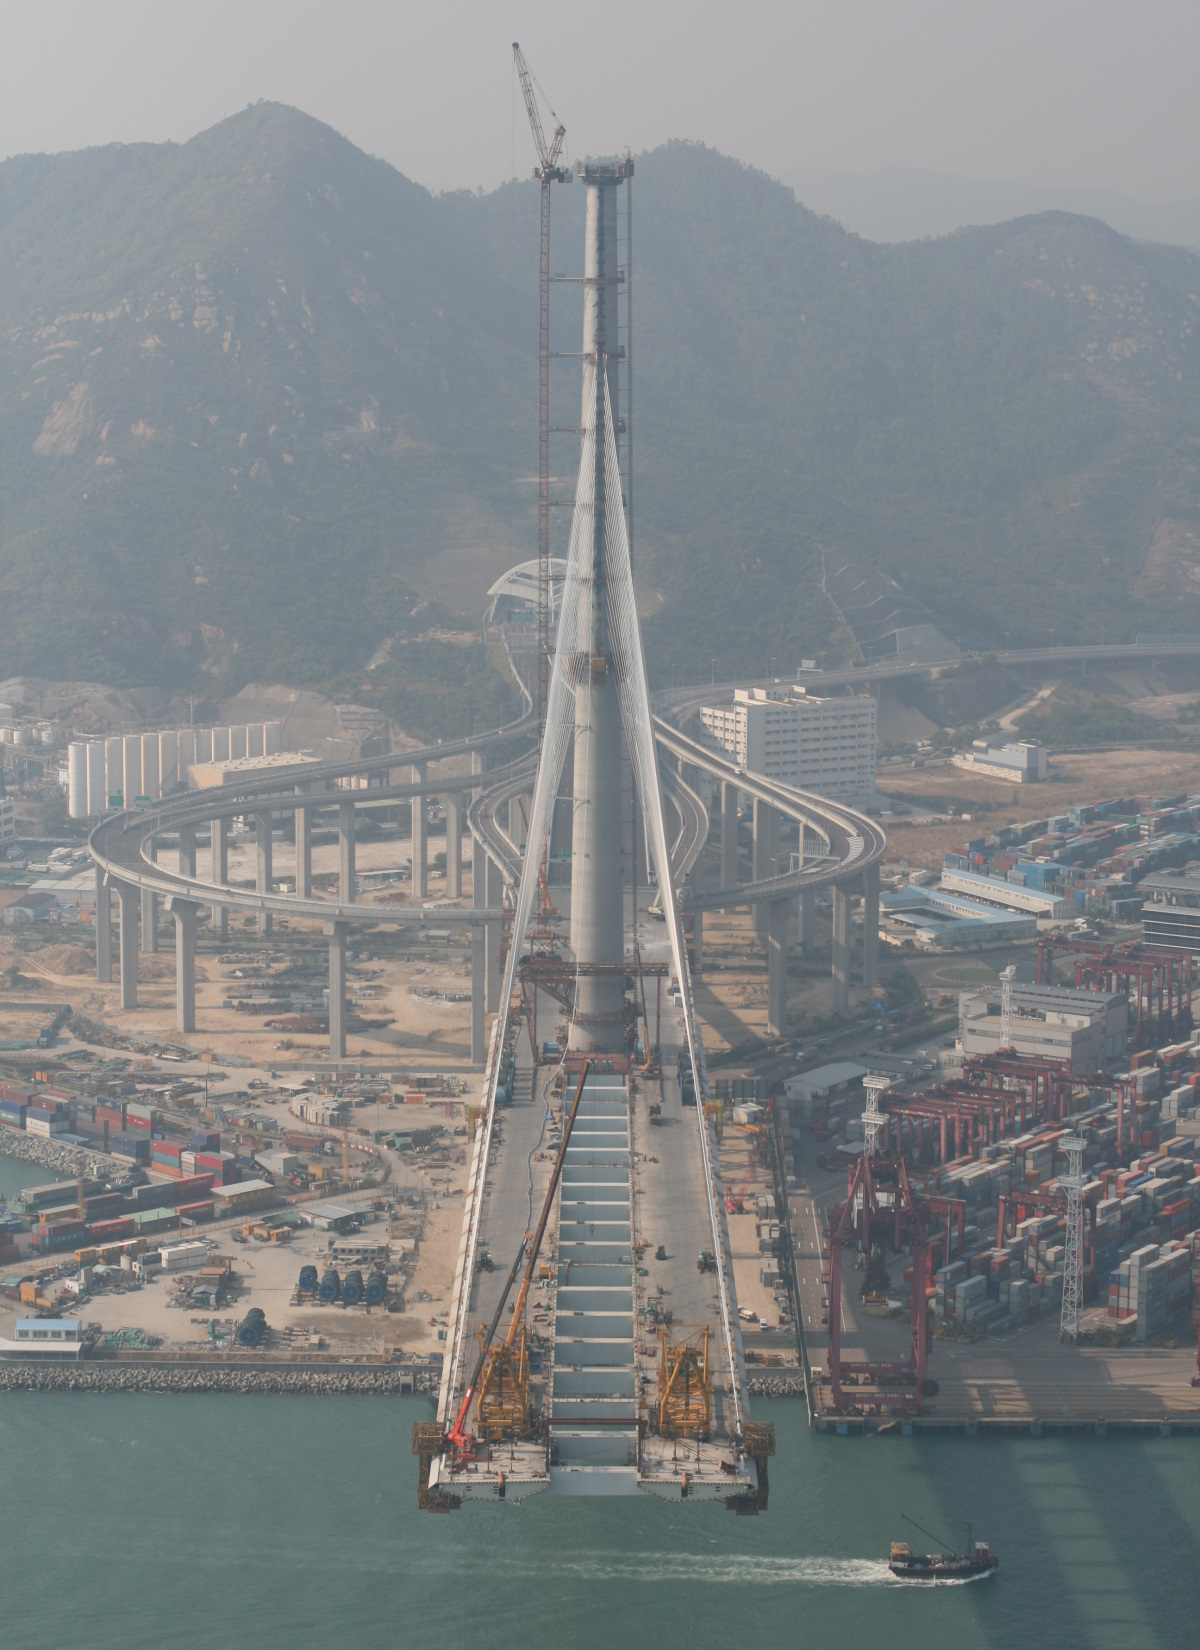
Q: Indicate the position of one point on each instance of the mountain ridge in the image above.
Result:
(264, 402)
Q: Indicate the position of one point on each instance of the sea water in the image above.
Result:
(129, 1522)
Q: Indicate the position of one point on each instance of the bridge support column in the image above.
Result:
(187, 852)
(478, 1014)
(336, 934)
(870, 960)
(103, 930)
(150, 911)
(454, 846)
(263, 865)
(808, 922)
(478, 873)
(420, 858)
(729, 837)
(778, 911)
(766, 856)
(218, 831)
(302, 824)
(841, 949)
(185, 912)
(127, 898)
(346, 873)
(495, 898)
(697, 944)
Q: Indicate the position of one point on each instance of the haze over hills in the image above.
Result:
(265, 403)
(901, 203)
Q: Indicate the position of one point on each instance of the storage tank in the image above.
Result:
(352, 1288)
(97, 797)
(272, 738)
(253, 1327)
(131, 787)
(330, 1286)
(308, 1279)
(77, 801)
(150, 782)
(376, 1290)
(237, 743)
(168, 760)
(185, 746)
(254, 739)
(220, 746)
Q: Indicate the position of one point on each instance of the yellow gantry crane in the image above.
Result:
(684, 1387)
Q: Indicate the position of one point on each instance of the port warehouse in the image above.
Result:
(1002, 1263)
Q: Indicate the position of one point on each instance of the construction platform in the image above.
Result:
(635, 1372)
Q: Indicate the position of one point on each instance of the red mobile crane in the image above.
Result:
(547, 171)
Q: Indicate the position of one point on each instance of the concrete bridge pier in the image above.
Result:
(454, 846)
(870, 960)
(150, 910)
(302, 825)
(127, 924)
(697, 944)
(729, 837)
(778, 911)
(478, 1014)
(219, 837)
(186, 913)
(841, 949)
(346, 871)
(420, 833)
(478, 873)
(263, 865)
(494, 897)
(103, 930)
(766, 857)
(336, 933)
(807, 934)
(187, 852)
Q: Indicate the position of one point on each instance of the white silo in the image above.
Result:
(237, 743)
(220, 745)
(132, 782)
(150, 779)
(205, 739)
(254, 739)
(168, 760)
(272, 738)
(114, 768)
(97, 799)
(77, 799)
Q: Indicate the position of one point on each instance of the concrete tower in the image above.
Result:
(597, 892)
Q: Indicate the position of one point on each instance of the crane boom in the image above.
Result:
(547, 171)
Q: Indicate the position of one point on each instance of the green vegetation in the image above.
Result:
(1098, 723)
(264, 404)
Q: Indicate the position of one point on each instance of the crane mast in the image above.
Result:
(547, 171)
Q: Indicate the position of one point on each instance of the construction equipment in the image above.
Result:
(509, 1361)
(547, 171)
(684, 1390)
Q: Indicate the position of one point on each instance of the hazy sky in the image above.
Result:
(1092, 92)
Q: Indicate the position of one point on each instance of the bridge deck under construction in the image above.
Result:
(605, 1311)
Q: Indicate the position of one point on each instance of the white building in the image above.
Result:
(8, 822)
(822, 745)
(1086, 1029)
(1024, 762)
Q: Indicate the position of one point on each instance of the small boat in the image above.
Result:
(947, 1566)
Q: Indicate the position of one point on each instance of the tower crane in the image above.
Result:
(547, 171)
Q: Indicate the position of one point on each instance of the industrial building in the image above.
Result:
(1023, 761)
(205, 776)
(1008, 896)
(126, 769)
(44, 1339)
(823, 745)
(1086, 1030)
(1171, 914)
(8, 823)
(937, 917)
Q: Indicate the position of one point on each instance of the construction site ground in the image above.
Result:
(1026, 1376)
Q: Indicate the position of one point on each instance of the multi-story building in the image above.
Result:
(826, 745)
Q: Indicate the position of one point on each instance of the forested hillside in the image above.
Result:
(264, 403)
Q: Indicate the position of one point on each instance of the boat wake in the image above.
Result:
(728, 1569)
